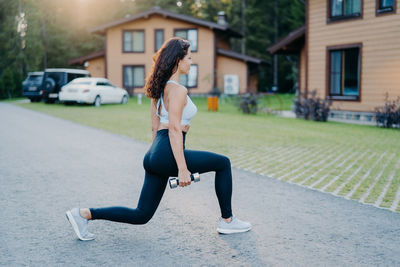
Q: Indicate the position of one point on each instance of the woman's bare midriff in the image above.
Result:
(184, 128)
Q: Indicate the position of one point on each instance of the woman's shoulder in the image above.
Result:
(176, 88)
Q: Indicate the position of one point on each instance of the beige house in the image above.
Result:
(131, 42)
(349, 52)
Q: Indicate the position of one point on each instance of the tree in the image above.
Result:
(260, 32)
(58, 31)
(9, 48)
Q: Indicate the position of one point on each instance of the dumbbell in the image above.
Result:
(174, 182)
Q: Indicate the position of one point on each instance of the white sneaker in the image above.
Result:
(79, 224)
(235, 226)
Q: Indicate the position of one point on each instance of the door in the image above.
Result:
(104, 91)
(115, 94)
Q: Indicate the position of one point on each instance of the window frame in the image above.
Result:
(197, 37)
(328, 73)
(380, 12)
(197, 77)
(155, 38)
(330, 19)
(132, 31)
(123, 76)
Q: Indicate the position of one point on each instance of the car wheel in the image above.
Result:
(124, 99)
(97, 101)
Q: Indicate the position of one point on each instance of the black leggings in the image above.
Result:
(160, 164)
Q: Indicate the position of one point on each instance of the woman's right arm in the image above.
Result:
(155, 120)
(177, 101)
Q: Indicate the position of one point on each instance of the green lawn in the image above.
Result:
(14, 99)
(354, 161)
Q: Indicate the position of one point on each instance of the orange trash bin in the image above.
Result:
(212, 103)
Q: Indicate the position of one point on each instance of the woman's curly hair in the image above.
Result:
(165, 63)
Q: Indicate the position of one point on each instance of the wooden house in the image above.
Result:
(131, 42)
(349, 52)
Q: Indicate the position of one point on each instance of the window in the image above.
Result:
(72, 76)
(104, 83)
(133, 41)
(190, 35)
(158, 39)
(344, 73)
(385, 6)
(190, 80)
(35, 79)
(344, 9)
(101, 84)
(133, 76)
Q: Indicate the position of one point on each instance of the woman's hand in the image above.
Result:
(184, 177)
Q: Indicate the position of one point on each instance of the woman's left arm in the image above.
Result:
(155, 120)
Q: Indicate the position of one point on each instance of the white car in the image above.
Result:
(94, 91)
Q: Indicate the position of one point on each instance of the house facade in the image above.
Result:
(349, 52)
(131, 42)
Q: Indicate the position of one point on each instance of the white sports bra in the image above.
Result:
(189, 111)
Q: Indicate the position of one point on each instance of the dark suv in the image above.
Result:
(31, 87)
(54, 79)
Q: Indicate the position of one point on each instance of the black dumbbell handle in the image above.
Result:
(174, 182)
(191, 178)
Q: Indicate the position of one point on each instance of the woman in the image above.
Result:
(171, 112)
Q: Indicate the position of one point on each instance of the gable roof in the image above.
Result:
(235, 55)
(81, 60)
(291, 43)
(166, 14)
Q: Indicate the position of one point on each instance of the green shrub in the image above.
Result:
(388, 116)
(10, 83)
(7, 83)
(311, 107)
(248, 103)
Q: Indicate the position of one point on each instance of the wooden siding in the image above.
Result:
(227, 65)
(302, 70)
(96, 67)
(380, 39)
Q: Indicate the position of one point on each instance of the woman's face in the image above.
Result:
(184, 64)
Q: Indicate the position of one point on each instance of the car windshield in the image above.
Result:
(35, 78)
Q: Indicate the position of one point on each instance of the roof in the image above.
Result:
(81, 60)
(166, 14)
(291, 43)
(68, 70)
(239, 56)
